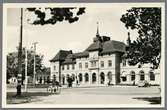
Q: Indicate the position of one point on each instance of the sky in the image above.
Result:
(63, 35)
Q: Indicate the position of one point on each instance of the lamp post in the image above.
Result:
(19, 76)
(34, 62)
(26, 69)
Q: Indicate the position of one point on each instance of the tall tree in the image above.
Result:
(147, 47)
(12, 64)
(70, 14)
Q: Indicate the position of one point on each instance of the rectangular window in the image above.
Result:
(62, 67)
(102, 63)
(124, 63)
(73, 66)
(93, 64)
(54, 67)
(80, 65)
(142, 77)
(109, 63)
(86, 65)
(152, 76)
(68, 67)
(132, 77)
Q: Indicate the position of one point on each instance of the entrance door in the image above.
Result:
(102, 78)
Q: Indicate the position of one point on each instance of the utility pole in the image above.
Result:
(26, 70)
(34, 61)
(19, 75)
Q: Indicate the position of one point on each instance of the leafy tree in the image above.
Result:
(12, 64)
(12, 68)
(147, 47)
(56, 15)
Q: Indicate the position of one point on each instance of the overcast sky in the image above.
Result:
(76, 36)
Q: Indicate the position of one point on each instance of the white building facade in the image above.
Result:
(100, 64)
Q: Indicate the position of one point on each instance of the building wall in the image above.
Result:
(127, 72)
(117, 70)
(55, 70)
(106, 69)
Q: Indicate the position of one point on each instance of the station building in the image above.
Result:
(102, 63)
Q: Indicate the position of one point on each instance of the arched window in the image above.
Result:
(86, 77)
(48, 79)
(67, 77)
(63, 79)
(109, 76)
(152, 76)
(94, 77)
(102, 78)
(73, 77)
(132, 75)
(80, 77)
(124, 76)
(54, 77)
(44, 79)
(40, 80)
(142, 76)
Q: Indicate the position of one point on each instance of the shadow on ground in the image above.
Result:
(26, 97)
(152, 100)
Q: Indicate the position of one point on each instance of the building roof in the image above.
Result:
(61, 55)
(95, 46)
(113, 46)
(102, 44)
(81, 54)
(70, 59)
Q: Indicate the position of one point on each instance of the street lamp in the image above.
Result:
(34, 61)
(19, 76)
(26, 60)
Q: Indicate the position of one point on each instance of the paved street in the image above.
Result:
(99, 95)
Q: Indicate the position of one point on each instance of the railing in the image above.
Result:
(92, 68)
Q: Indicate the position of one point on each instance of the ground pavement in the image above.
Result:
(99, 95)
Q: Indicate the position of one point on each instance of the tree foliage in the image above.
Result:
(70, 14)
(147, 47)
(12, 64)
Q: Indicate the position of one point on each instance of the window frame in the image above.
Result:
(73, 66)
(86, 64)
(109, 63)
(80, 65)
(54, 67)
(133, 76)
(102, 64)
(152, 76)
(68, 67)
